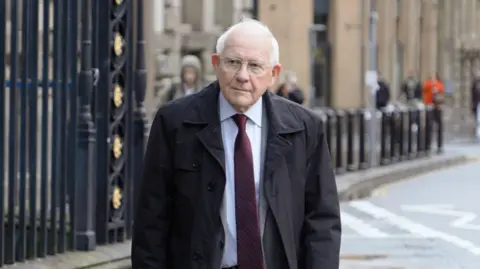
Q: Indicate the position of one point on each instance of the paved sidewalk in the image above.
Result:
(350, 185)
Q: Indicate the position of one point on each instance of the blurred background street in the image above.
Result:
(397, 83)
(427, 221)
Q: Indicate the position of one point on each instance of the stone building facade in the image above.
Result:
(178, 27)
(419, 36)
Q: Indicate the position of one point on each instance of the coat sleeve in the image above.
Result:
(151, 225)
(322, 225)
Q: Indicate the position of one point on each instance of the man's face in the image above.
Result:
(189, 75)
(244, 70)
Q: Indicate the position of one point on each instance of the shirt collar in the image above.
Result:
(254, 113)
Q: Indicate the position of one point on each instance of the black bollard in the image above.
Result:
(339, 155)
(412, 131)
(393, 129)
(330, 132)
(402, 133)
(429, 123)
(351, 134)
(384, 159)
(362, 118)
(438, 113)
(420, 133)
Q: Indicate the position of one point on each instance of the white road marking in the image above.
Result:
(360, 226)
(390, 236)
(463, 221)
(413, 227)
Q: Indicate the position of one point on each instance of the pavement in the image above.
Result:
(425, 221)
(351, 185)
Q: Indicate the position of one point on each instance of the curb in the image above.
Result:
(358, 185)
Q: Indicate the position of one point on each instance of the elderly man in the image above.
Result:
(236, 176)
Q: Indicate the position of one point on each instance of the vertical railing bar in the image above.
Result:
(73, 105)
(129, 138)
(86, 139)
(102, 119)
(12, 139)
(33, 141)
(43, 238)
(3, 24)
(52, 246)
(22, 226)
(63, 134)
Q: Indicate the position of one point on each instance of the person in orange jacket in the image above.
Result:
(433, 91)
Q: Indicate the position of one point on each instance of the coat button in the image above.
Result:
(197, 255)
(222, 244)
(195, 165)
(211, 186)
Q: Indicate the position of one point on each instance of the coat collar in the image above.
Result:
(205, 111)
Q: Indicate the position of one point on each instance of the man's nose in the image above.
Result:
(242, 74)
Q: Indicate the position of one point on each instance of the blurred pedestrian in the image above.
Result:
(289, 88)
(412, 90)
(433, 91)
(383, 93)
(236, 176)
(190, 79)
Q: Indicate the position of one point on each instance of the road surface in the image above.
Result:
(430, 221)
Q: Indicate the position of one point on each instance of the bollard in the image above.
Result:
(438, 114)
(412, 131)
(363, 116)
(429, 123)
(383, 137)
(351, 133)
(339, 160)
(330, 133)
(420, 132)
(402, 134)
(393, 129)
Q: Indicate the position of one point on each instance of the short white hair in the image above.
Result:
(275, 53)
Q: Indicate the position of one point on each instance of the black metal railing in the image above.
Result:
(404, 134)
(72, 124)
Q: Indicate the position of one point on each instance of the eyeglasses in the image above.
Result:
(234, 65)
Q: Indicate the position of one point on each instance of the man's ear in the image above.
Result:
(276, 72)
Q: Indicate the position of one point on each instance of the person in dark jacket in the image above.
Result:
(290, 90)
(235, 176)
(383, 93)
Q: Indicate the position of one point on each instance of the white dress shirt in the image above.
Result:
(229, 134)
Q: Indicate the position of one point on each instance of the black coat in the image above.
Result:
(178, 222)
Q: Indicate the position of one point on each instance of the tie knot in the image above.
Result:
(241, 121)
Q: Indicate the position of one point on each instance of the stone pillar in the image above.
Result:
(387, 10)
(292, 34)
(345, 27)
(410, 35)
(153, 26)
(429, 38)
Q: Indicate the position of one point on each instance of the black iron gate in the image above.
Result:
(71, 135)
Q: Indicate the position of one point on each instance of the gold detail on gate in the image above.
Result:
(118, 44)
(116, 197)
(117, 96)
(118, 2)
(117, 147)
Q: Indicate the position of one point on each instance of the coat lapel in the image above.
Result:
(281, 124)
(202, 114)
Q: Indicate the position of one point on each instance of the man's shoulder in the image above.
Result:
(300, 112)
(177, 109)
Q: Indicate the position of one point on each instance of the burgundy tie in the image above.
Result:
(249, 246)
